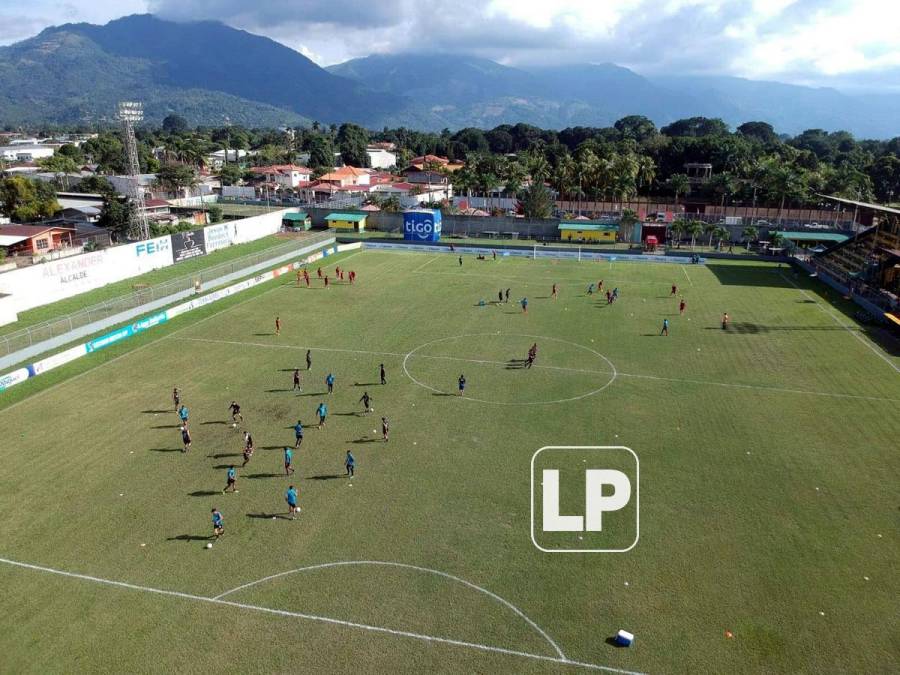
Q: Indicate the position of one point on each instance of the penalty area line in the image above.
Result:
(321, 619)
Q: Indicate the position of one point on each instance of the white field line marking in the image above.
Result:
(686, 274)
(427, 570)
(843, 325)
(427, 262)
(314, 617)
(710, 383)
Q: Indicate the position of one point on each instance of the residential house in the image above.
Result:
(35, 239)
(25, 153)
(380, 158)
(217, 159)
(284, 175)
(437, 184)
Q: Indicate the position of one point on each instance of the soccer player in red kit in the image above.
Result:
(681, 307)
(326, 281)
(319, 272)
(674, 290)
(555, 292)
(277, 325)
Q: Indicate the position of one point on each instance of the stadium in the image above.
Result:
(742, 518)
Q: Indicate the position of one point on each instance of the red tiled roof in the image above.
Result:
(30, 230)
(153, 203)
(429, 158)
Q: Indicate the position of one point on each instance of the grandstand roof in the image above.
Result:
(864, 205)
(814, 236)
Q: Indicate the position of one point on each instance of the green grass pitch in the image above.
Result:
(768, 487)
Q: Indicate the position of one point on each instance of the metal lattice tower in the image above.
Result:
(130, 112)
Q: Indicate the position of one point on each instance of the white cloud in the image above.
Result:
(794, 40)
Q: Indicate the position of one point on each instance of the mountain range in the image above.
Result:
(211, 73)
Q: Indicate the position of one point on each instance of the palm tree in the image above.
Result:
(710, 229)
(695, 229)
(784, 181)
(749, 234)
(680, 184)
(678, 228)
(563, 176)
(720, 233)
(646, 172)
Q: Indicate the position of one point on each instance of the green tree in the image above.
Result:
(749, 234)
(720, 233)
(26, 200)
(321, 154)
(174, 177)
(352, 141)
(214, 213)
(537, 202)
(174, 124)
(71, 151)
(677, 230)
(695, 229)
(61, 166)
(95, 185)
(679, 184)
(116, 217)
(231, 174)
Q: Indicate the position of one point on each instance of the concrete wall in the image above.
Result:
(42, 284)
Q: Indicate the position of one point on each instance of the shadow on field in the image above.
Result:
(220, 455)
(213, 422)
(441, 393)
(265, 516)
(273, 447)
(330, 476)
(222, 466)
(166, 426)
(347, 414)
(756, 329)
(264, 475)
(263, 334)
(190, 537)
(612, 642)
(165, 449)
(366, 384)
(156, 412)
(314, 393)
(204, 493)
(367, 440)
(272, 391)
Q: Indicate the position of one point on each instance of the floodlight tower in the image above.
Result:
(130, 112)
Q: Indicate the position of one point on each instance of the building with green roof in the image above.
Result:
(340, 220)
(587, 230)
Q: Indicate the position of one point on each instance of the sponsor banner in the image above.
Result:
(57, 360)
(349, 247)
(13, 378)
(217, 236)
(149, 322)
(187, 245)
(159, 248)
(108, 339)
(422, 225)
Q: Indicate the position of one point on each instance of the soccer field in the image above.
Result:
(768, 481)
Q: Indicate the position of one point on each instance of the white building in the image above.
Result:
(379, 158)
(217, 159)
(285, 175)
(25, 153)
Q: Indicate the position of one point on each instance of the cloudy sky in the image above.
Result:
(847, 43)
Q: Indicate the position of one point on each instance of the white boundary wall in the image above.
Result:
(45, 283)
